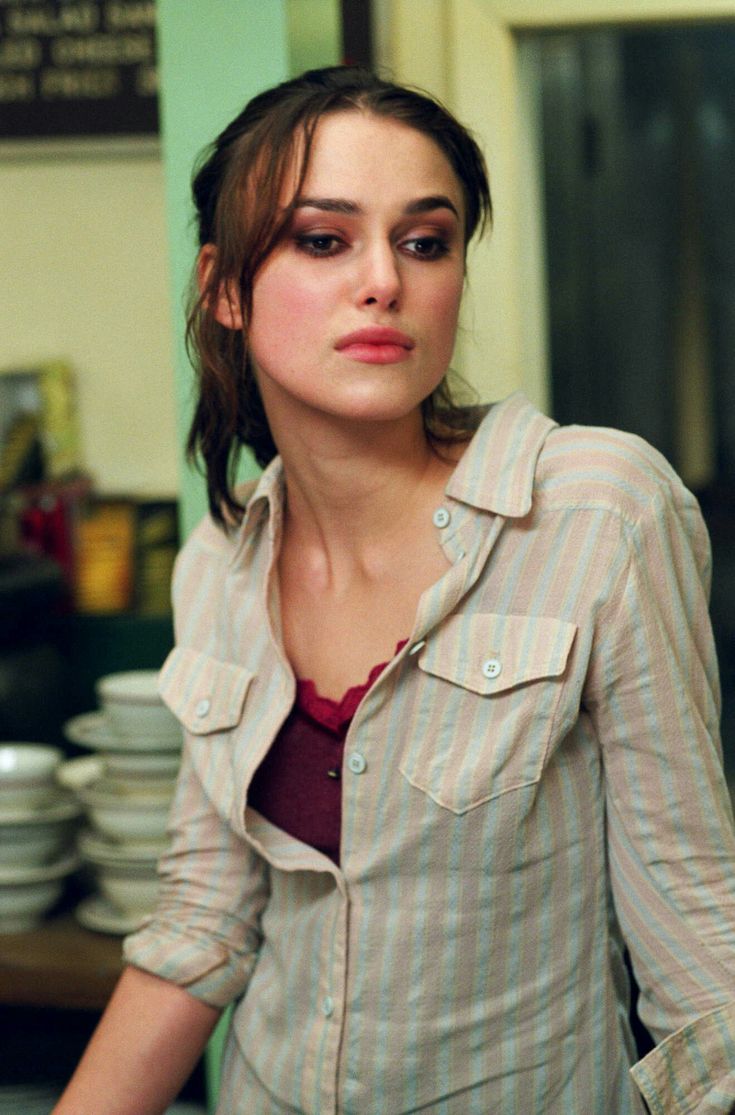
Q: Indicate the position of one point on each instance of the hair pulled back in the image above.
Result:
(237, 191)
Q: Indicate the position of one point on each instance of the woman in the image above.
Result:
(415, 869)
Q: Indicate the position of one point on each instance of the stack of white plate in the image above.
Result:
(125, 837)
(37, 825)
(132, 728)
(125, 791)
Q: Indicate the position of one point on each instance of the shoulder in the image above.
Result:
(590, 466)
(200, 567)
(207, 537)
(211, 546)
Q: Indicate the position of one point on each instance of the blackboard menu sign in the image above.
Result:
(77, 68)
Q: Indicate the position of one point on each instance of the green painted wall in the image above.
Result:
(314, 30)
(213, 56)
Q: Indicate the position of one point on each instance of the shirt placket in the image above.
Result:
(467, 537)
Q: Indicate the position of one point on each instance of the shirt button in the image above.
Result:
(327, 1006)
(441, 517)
(356, 762)
(491, 668)
(202, 707)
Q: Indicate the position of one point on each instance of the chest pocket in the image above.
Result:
(208, 697)
(485, 727)
(205, 694)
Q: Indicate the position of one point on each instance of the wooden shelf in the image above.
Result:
(60, 964)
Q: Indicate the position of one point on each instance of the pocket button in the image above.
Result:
(491, 668)
(202, 707)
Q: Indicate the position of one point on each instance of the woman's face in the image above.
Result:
(354, 312)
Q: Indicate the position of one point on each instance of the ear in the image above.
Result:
(226, 306)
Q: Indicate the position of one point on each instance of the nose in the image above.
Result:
(379, 281)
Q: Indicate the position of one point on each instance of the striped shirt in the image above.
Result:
(533, 783)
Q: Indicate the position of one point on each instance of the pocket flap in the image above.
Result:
(490, 653)
(205, 694)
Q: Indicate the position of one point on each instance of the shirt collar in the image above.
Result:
(498, 468)
(496, 472)
(263, 499)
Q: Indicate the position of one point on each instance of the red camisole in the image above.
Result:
(298, 785)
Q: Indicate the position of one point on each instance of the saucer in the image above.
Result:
(93, 730)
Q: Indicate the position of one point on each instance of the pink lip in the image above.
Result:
(375, 335)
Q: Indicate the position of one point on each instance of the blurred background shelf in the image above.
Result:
(59, 964)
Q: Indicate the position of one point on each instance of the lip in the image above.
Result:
(378, 336)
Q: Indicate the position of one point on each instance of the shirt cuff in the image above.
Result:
(186, 952)
(692, 1072)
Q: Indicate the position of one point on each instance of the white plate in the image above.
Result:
(93, 729)
(96, 913)
(42, 873)
(62, 808)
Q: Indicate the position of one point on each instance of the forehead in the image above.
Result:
(360, 156)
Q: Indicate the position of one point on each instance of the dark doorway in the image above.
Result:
(639, 160)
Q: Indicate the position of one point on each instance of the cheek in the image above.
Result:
(444, 308)
(287, 323)
(287, 314)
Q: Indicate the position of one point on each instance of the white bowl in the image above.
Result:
(131, 702)
(23, 905)
(142, 766)
(34, 837)
(138, 789)
(127, 818)
(27, 893)
(27, 774)
(97, 849)
(128, 889)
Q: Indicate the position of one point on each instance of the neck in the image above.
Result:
(354, 490)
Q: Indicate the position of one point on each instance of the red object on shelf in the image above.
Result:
(47, 519)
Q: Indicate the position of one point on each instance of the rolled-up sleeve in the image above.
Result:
(205, 932)
(653, 695)
(693, 1070)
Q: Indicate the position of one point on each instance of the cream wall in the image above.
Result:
(84, 254)
(84, 248)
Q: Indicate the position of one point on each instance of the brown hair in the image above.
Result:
(237, 190)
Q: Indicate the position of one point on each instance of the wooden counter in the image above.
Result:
(59, 964)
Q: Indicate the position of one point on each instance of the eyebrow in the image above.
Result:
(351, 208)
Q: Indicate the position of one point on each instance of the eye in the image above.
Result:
(319, 244)
(426, 247)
